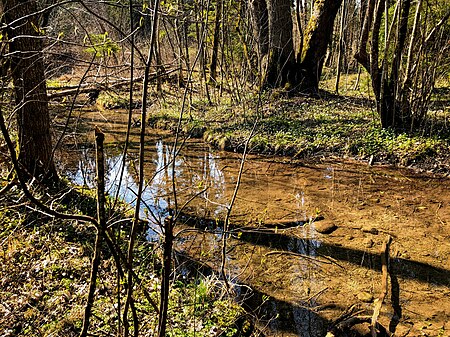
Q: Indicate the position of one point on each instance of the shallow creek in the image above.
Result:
(295, 279)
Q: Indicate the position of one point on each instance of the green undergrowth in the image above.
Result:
(45, 270)
(306, 127)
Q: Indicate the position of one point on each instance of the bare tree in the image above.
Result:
(396, 94)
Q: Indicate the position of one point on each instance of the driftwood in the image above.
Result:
(350, 318)
(346, 320)
(384, 285)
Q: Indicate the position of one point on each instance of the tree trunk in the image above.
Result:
(281, 59)
(340, 46)
(317, 37)
(27, 66)
(216, 36)
(401, 114)
(386, 86)
(273, 25)
(260, 23)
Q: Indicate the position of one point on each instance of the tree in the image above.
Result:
(279, 64)
(215, 49)
(317, 38)
(402, 102)
(27, 70)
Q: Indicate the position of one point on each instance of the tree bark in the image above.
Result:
(281, 59)
(273, 31)
(362, 55)
(341, 46)
(216, 36)
(27, 68)
(260, 24)
(386, 86)
(317, 37)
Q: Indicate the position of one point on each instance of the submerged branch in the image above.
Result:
(384, 285)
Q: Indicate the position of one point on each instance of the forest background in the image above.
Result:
(367, 80)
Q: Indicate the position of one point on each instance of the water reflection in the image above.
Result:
(271, 220)
(192, 172)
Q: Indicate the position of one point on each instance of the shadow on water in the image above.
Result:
(197, 169)
(402, 267)
(314, 247)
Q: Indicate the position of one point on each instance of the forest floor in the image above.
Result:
(45, 262)
(45, 267)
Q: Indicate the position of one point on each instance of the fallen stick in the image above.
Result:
(351, 316)
(384, 285)
(92, 87)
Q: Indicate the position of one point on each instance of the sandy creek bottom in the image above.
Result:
(299, 279)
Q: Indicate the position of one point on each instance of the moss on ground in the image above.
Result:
(45, 270)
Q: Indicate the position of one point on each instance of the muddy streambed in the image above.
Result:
(295, 278)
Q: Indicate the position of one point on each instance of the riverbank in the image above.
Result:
(45, 272)
(269, 255)
(305, 127)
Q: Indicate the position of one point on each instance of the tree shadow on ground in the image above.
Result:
(303, 318)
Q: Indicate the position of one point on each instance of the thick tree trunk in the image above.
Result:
(273, 25)
(317, 37)
(281, 59)
(27, 66)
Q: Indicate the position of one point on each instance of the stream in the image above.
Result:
(292, 277)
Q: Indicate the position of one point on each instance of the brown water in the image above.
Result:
(274, 247)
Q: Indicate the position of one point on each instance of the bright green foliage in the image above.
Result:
(101, 45)
(196, 310)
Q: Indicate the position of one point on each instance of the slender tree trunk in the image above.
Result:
(165, 286)
(260, 24)
(101, 218)
(130, 255)
(35, 143)
(341, 46)
(387, 86)
(215, 50)
(298, 13)
(401, 114)
(362, 55)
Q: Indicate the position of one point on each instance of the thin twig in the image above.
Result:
(101, 216)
